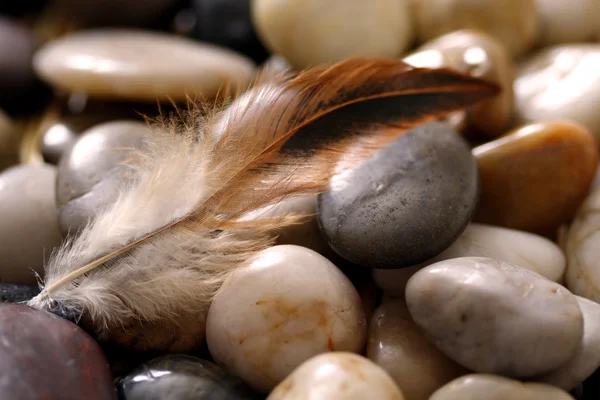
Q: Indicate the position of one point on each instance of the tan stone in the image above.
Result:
(513, 22)
(492, 387)
(567, 21)
(311, 32)
(337, 375)
(398, 345)
(139, 65)
(479, 55)
(535, 178)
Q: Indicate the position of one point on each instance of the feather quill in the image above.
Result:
(144, 271)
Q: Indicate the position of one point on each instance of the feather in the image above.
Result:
(144, 271)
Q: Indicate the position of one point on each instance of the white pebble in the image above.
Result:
(289, 305)
(494, 317)
(337, 375)
(524, 249)
(491, 387)
(587, 358)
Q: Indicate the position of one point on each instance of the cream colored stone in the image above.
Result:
(558, 83)
(398, 345)
(28, 223)
(337, 375)
(139, 65)
(587, 358)
(479, 55)
(524, 249)
(289, 305)
(9, 140)
(312, 32)
(513, 22)
(567, 21)
(494, 317)
(492, 387)
(583, 250)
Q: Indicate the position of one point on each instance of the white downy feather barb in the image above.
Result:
(175, 232)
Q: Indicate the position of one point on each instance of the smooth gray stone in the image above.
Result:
(404, 205)
(91, 172)
(181, 377)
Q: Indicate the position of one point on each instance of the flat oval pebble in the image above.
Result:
(535, 177)
(43, 356)
(587, 358)
(513, 22)
(92, 170)
(406, 204)
(337, 375)
(480, 55)
(289, 305)
(560, 82)
(524, 249)
(9, 142)
(310, 32)
(182, 377)
(11, 293)
(139, 65)
(29, 228)
(495, 317)
(567, 22)
(492, 387)
(583, 250)
(398, 345)
(113, 12)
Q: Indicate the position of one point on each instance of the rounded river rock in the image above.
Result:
(494, 317)
(406, 204)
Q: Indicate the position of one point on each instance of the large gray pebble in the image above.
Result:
(91, 172)
(28, 225)
(404, 205)
(494, 317)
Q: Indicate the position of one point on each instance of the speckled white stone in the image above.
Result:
(28, 222)
(494, 317)
(524, 249)
(583, 250)
(289, 305)
(587, 357)
(492, 387)
(398, 345)
(337, 375)
(139, 65)
(312, 32)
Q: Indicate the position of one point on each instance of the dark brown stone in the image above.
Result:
(43, 356)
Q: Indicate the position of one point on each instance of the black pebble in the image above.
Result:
(226, 23)
(11, 293)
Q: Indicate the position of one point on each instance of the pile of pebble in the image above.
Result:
(460, 262)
